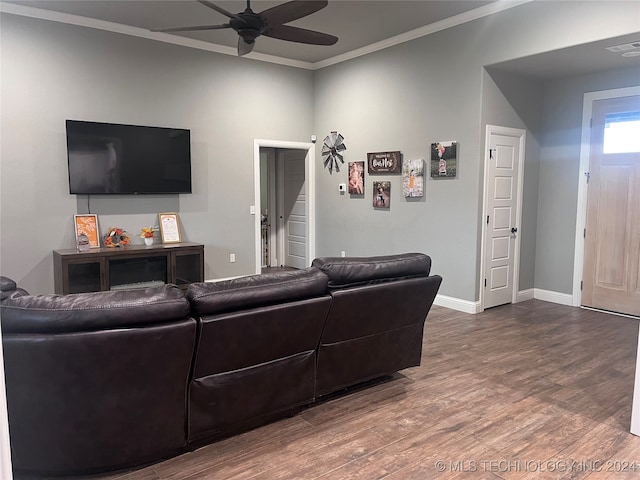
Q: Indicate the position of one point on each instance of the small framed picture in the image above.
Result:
(382, 195)
(444, 159)
(356, 178)
(86, 229)
(169, 227)
(413, 178)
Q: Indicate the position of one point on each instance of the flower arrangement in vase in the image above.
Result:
(147, 234)
(116, 237)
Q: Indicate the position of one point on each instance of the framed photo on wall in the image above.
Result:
(87, 224)
(169, 227)
(413, 178)
(356, 178)
(444, 159)
(382, 195)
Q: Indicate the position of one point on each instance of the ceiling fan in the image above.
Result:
(270, 22)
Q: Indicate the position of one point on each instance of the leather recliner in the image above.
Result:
(255, 355)
(96, 381)
(378, 309)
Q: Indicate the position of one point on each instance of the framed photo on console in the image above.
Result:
(87, 224)
(169, 227)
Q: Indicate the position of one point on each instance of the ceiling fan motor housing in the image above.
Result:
(249, 26)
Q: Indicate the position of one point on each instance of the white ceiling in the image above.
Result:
(360, 25)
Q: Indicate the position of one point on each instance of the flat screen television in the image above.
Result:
(107, 158)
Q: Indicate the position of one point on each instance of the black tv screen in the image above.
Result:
(107, 158)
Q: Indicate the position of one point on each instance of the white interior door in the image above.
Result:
(292, 214)
(611, 276)
(503, 185)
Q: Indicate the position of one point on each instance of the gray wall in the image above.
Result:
(435, 88)
(559, 173)
(514, 101)
(402, 98)
(52, 72)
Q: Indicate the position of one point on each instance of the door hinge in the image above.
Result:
(485, 283)
(588, 175)
(580, 285)
(487, 219)
(491, 150)
(584, 233)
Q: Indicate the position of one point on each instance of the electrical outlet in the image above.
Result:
(232, 257)
(343, 253)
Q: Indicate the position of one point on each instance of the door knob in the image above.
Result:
(514, 230)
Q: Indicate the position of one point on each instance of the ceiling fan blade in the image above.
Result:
(219, 9)
(187, 29)
(300, 35)
(287, 12)
(244, 47)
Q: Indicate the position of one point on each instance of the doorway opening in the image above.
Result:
(284, 179)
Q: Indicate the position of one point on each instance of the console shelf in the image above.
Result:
(133, 266)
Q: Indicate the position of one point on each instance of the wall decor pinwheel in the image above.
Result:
(331, 148)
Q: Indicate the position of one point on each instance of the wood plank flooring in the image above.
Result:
(517, 392)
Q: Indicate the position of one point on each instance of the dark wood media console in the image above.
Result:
(133, 266)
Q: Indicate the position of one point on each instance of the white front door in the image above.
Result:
(503, 184)
(293, 217)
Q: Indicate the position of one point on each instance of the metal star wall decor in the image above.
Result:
(331, 148)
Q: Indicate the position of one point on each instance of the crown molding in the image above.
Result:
(77, 20)
(42, 14)
(476, 13)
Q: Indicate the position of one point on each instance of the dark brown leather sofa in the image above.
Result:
(104, 381)
(96, 381)
(255, 355)
(378, 309)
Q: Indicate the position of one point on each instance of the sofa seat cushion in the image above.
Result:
(255, 291)
(93, 311)
(351, 271)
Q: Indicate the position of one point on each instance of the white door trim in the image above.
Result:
(585, 152)
(310, 192)
(521, 134)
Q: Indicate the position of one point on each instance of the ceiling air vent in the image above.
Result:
(625, 47)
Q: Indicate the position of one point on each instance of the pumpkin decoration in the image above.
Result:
(116, 237)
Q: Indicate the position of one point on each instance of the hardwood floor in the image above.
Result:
(517, 392)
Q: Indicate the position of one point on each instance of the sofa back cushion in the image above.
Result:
(255, 291)
(93, 311)
(351, 271)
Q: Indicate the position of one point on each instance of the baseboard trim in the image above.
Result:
(528, 294)
(457, 304)
(553, 297)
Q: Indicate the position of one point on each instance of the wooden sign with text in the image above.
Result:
(384, 162)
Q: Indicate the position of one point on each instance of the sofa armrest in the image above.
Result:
(9, 289)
